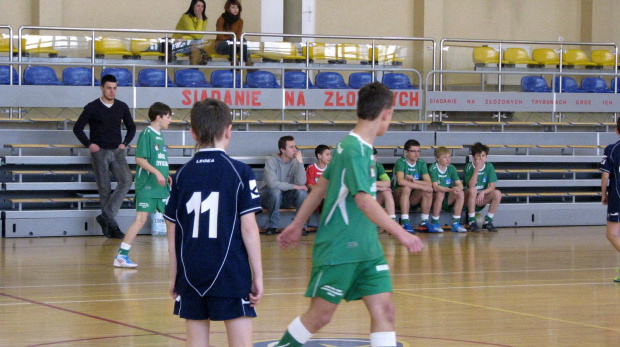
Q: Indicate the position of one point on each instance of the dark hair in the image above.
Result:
(373, 99)
(232, 2)
(283, 140)
(479, 148)
(190, 11)
(374, 151)
(411, 143)
(159, 109)
(108, 78)
(320, 149)
(209, 119)
(618, 124)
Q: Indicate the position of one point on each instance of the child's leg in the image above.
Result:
(425, 200)
(470, 201)
(301, 329)
(495, 199)
(403, 194)
(388, 201)
(135, 227)
(239, 332)
(437, 202)
(197, 332)
(381, 309)
(613, 234)
(458, 200)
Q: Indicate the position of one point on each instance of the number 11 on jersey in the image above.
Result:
(199, 206)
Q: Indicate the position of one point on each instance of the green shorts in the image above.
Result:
(445, 204)
(150, 205)
(350, 281)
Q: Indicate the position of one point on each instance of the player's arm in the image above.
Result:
(172, 254)
(290, 235)
(143, 163)
(373, 211)
(604, 180)
(383, 185)
(251, 240)
(458, 186)
(438, 188)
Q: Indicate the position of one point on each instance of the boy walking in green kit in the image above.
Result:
(347, 259)
(449, 194)
(152, 180)
(480, 178)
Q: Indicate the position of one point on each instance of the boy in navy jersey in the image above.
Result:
(213, 239)
(347, 259)
(152, 180)
(609, 191)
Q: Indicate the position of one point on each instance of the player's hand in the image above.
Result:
(257, 292)
(478, 164)
(169, 180)
(161, 180)
(479, 199)
(604, 199)
(93, 148)
(409, 178)
(172, 292)
(289, 237)
(299, 156)
(412, 242)
(121, 146)
(457, 190)
(296, 187)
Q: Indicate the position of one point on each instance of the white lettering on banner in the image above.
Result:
(503, 102)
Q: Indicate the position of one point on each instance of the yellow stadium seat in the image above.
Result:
(346, 52)
(278, 50)
(144, 47)
(577, 57)
(111, 46)
(4, 44)
(385, 53)
(516, 55)
(486, 55)
(40, 45)
(546, 56)
(603, 57)
(315, 50)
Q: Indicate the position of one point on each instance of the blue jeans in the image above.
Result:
(226, 47)
(273, 199)
(104, 162)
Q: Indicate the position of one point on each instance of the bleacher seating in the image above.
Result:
(603, 57)
(359, 79)
(123, 75)
(261, 79)
(315, 50)
(78, 76)
(191, 78)
(595, 85)
(397, 80)
(330, 80)
(224, 79)
(154, 78)
(517, 55)
(546, 56)
(485, 55)
(5, 75)
(37, 44)
(40, 75)
(296, 80)
(145, 47)
(107, 46)
(569, 85)
(577, 57)
(535, 84)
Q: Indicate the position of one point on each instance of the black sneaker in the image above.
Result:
(270, 231)
(473, 226)
(489, 226)
(116, 233)
(105, 229)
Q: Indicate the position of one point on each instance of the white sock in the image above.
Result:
(125, 246)
(471, 215)
(298, 331)
(424, 217)
(404, 216)
(435, 218)
(456, 217)
(393, 216)
(383, 339)
(490, 215)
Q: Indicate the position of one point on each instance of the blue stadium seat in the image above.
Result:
(330, 80)
(535, 84)
(153, 78)
(224, 79)
(569, 85)
(296, 80)
(359, 79)
(262, 79)
(595, 85)
(40, 75)
(612, 87)
(123, 76)
(78, 76)
(4, 75)
(191, 78)
(397, 80)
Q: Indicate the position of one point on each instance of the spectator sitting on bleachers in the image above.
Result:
(480, 178)
(323, 155)
(107, 148)
(411, 185)
(448, 191)
(284, 182)
(231, 20)
(194, 19)
(384, 192)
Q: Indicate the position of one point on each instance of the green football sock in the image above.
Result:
(123, 251)
(488, 219)
(288, 341)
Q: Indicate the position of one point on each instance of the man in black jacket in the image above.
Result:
(107, 148)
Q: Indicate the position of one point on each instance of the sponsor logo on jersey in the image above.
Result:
(254, 189)
(448, 181)
(384, 267)
(202, 161)
(156, 147)
(327, 342)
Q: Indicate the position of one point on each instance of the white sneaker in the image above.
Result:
(123, 261)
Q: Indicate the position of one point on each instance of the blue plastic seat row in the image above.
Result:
(538, 84)
(334, 80)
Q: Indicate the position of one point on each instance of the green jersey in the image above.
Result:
(447, 178)
(151, 147)
(381, 174)
(485, 176)
(416, 170)
(345, 234)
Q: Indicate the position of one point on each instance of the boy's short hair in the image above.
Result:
(373, 98)
(209, 119)
(320, 149)
(374, 151)
(479, 148)
(283, 140)
(108, 78)
(159, 109)
(411, 143)
(439, 151)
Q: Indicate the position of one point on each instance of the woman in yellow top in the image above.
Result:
(194, 19)
(230, 20)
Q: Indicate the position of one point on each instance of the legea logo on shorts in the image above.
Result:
(340, 342)
(143, 204)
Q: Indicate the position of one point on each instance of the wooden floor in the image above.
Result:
(518, 287)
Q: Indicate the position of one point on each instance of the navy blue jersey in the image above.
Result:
(209, 194)
(611, 164)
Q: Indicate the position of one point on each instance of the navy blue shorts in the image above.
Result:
(213, 308)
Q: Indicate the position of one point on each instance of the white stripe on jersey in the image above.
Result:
(340, 203)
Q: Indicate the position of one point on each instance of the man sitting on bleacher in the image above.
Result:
(284, 182)
(107, 149)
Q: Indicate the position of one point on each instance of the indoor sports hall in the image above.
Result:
(535, 81)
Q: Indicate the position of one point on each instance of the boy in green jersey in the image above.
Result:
(347, 258)
(384, 192)
(411, 185)
(448, 188)
(480, 178)
(152, 180)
